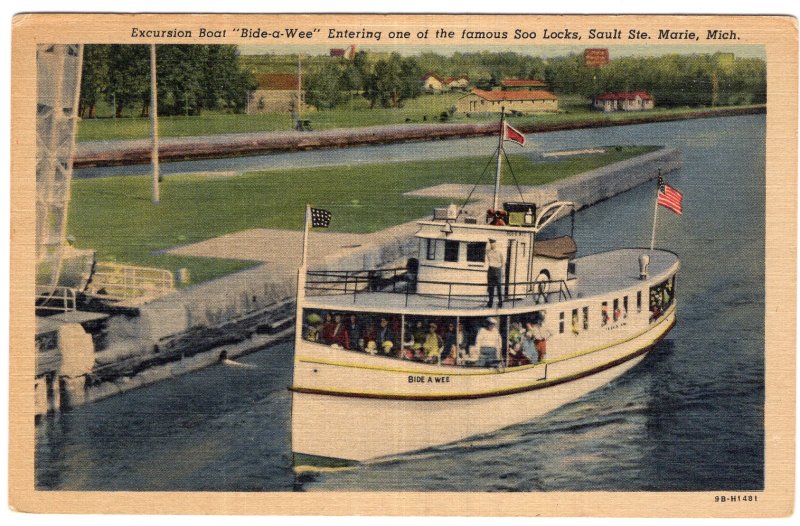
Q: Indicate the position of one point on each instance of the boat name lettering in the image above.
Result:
(429, 379)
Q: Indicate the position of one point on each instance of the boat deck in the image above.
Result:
(598, 275)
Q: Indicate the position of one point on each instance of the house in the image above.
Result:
(521, 84)
(623, 101)
(337, 52)
(276, 93)
(432, 83)
(521, 101)
(460, 82)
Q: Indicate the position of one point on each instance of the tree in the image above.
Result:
(393, 81)
(129, 75)
(324, 88)
(94, 79)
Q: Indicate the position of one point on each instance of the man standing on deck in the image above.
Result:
(495, 260)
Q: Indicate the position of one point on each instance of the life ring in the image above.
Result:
(541, 285)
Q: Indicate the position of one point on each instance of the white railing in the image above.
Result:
(57, 299)
(122, 282)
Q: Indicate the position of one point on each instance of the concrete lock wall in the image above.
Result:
(608, 181)
(217, 301)
(77, 359)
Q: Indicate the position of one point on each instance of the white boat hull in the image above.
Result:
(357, 412)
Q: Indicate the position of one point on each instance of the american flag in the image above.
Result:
(320, 218)
(669, 197)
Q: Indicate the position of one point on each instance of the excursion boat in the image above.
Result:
(395, 360)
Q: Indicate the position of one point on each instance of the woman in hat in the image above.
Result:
(433, 344)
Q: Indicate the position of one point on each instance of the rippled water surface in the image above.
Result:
(689, 417)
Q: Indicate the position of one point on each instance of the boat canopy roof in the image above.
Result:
(557, 248)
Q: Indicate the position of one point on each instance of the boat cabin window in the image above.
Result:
(625, 307)
(431, 249)
(441, 340)
(561, 323)
(585, 318)
(661, 297)
(604, 314)
(476, 252)
(617, 313)
(451, 250)
(356, 331)
(639, 301)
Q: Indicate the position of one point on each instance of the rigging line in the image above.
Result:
(461, 208)
(516, 183)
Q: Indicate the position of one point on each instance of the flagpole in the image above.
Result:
(499, 158)
(305, 236)
(301, 280)
(655, 216)
(655, 211)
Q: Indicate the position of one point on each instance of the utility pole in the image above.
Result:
(298, 102)
(154, 124)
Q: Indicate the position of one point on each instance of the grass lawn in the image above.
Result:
(352, 114)
(114, 215)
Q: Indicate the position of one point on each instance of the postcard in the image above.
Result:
(495, 265)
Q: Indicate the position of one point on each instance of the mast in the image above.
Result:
(499, 158)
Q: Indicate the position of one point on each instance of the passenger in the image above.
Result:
(419, 354)
(604, 314)
(339, 334)
(452, 356)
(516, 357)
(384, 333)
(515, 334)
(371, 348)
(387, 348)
(528, 345)
(314, 322)
(327, 329)
(490, 344)
(575, 326)
(433, 345)
(355, 333)
(419, 332)
(655, 312)
(449, 336)
(540, 336)
(463, 340)
(369, 334)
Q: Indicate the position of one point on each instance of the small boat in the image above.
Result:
(395, 360)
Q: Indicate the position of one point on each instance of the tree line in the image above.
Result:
(385, 82)
(190, 79)
(673, 80)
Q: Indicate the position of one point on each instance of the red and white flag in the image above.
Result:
(513, 135)
(669, 197)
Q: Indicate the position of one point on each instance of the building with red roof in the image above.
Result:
(623, 101)
(521, 84)
(432, 83)
(276, 93)
(460, 82)
(520, 101)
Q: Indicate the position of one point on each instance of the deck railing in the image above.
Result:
(55, 299)
(400, 281)
(115, 281)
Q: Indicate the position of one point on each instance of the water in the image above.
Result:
(689, 417)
